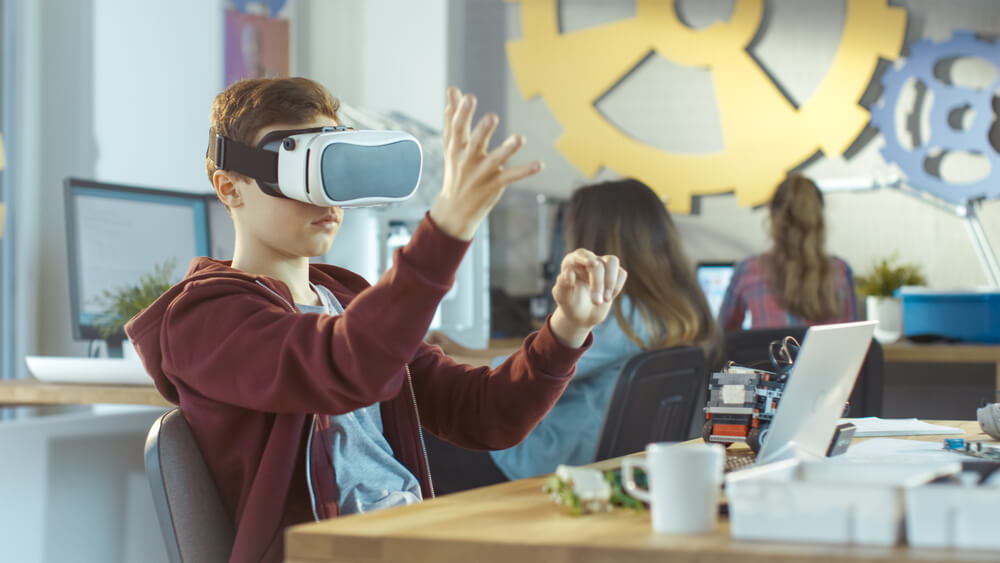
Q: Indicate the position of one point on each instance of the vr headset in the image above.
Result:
(327, 166)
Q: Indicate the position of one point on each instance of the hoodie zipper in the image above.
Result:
(309, 481)
(312, 425)
(420, 430)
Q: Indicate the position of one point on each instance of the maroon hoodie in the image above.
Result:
(256, 379)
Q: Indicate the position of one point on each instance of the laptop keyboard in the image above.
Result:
(739, 461)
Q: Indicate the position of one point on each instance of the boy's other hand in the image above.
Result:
(474, 179)
(584, 291)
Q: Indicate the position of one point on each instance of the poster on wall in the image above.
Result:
(257, 46)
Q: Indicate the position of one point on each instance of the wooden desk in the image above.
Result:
(22, 392)
(516, 523)
(25, 392)
(946, 354)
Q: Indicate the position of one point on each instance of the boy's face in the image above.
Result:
(283, 228)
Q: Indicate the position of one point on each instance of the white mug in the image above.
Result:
(684, 483)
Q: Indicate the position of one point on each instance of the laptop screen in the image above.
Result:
(714, 280)
(713, 277)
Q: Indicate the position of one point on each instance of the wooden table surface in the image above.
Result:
(904, 351)
(945, 353)
(21, 392)
(26, 392)
(516, 522)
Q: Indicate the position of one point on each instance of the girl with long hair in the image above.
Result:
(795, 283)
(661, 306)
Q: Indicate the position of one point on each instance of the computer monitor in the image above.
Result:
(714, 279)
(115, 234)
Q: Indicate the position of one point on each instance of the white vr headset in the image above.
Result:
(327, 166)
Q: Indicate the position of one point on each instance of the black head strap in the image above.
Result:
(228, 154)
(258, 162)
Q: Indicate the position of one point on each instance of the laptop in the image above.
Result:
(813, 399)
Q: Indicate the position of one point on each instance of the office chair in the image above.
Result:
(192, 516)
(750, 348)
(657, 397)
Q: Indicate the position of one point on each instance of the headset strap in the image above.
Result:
(259, 164)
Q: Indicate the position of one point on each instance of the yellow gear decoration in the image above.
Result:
(764, 135)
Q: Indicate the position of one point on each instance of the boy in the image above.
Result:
(305, 388)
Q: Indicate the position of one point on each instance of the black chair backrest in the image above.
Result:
(750, 348)
(193, 518)
(657, 396)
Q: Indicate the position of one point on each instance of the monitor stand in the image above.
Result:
(115, 345)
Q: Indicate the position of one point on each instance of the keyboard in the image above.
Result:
(740, 460)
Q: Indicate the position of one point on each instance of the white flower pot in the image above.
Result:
(888, 311)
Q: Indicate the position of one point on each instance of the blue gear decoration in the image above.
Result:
(274, 6)
(924, 55)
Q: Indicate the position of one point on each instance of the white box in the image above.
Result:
(833, 500)
(953, 516)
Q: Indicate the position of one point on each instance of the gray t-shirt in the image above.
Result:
(368, 476)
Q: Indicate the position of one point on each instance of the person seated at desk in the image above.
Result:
(662, 306)
(796, 283)
(306, 388)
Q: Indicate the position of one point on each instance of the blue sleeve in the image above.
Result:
(611, 345)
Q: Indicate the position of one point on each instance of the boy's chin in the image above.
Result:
(321, 248)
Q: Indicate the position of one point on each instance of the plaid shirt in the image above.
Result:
(750, 291)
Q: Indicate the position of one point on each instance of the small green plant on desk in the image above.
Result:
(887, 276)
(124, 302)
(878, 288)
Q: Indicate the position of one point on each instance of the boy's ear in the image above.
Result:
(227, 188)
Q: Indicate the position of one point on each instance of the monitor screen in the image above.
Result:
(116, 234)
(714, 280)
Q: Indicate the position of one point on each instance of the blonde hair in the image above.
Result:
(627, 219)
(798, 267)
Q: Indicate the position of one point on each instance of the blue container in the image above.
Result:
(970, 316)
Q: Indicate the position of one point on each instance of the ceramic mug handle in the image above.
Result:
(629, 465)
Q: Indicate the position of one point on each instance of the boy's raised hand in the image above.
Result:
(474, 179)
(584, 291)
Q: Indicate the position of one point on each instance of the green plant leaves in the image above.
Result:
(887, 276)
(125, 302)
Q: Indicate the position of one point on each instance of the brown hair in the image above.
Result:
(798, 267)
(247, 106)
(627, 219)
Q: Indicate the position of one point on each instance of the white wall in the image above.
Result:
(404, 60)
(157, 66)
(381, 55)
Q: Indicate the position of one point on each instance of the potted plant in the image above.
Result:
(879, 288)
(124, 302)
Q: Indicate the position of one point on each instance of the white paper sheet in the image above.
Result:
(895, 451)
(55, 369)
(874, 426)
